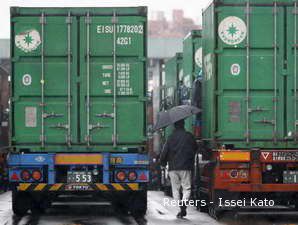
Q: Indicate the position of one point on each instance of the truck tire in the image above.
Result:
(202, 197)
(21, 203)
(138, 204)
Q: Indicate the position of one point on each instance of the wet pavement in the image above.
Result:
(158, 214)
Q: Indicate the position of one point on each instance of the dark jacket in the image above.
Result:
(179, 150)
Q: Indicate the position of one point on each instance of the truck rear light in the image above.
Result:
(25, 175)
(14, 176)
(36, 175)
(121, 175)
(243, 174)
(234, 174)
(132, 176)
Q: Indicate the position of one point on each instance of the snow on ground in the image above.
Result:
(159, 213)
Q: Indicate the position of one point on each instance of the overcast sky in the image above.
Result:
(192, 8)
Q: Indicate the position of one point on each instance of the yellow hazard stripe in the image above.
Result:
(55, 187)
(118, 187)
(40, 187)
(102, 187)
(133, 186)
(24, 186)
(63, 187)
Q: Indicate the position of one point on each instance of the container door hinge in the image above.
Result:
(52, 115)
(142, 59)
(248, 10)
(68, 20)
(97, 126)
(88, 20)
(60, 126)
(15, 58)
(42, 20)
(257, 109)
(114, 19)
(265, 121)
(105, 115)
(114, 138)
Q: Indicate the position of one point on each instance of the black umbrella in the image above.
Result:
(168, 117)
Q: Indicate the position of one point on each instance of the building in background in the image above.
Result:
(4, 91)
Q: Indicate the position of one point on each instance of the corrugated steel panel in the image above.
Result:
(64, 64)
(249, 77)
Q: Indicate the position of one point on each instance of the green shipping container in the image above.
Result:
(192, 66)
(78, 78)
(250, 73)
(172, 76)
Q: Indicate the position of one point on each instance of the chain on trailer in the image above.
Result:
(114, 136)
(42, 81)
(247, 11)
(295, 72)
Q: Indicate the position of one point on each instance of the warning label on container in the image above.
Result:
(277, 156)
(30, 116)
(232, 30)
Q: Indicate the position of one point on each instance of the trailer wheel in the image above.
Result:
(215, 212)
(201, 196)
(138, 203)
(21, 203)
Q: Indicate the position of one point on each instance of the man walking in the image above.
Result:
(179, 151)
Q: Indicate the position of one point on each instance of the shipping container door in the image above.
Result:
(109, 117)
(43, 62)
(250, 92)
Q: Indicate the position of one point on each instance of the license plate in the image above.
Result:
(79, 177)
(290, 177)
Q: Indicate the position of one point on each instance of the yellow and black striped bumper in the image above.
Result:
(78, 187)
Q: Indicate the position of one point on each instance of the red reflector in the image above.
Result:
(121, 176)
(143, 176)
(36, 175)
(14, 176)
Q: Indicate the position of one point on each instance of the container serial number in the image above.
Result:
(120, 29)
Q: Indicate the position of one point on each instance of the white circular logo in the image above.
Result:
(28, 41)
(232, 30)
(198, 57)
(27, 80)
(235, 69)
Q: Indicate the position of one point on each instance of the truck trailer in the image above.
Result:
(78, 106)
(249, 142)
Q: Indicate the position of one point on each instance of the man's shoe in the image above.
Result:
(179, 215)
(183, 211)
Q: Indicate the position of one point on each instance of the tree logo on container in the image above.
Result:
(232, 30)
(28, 41)
(198, 57)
